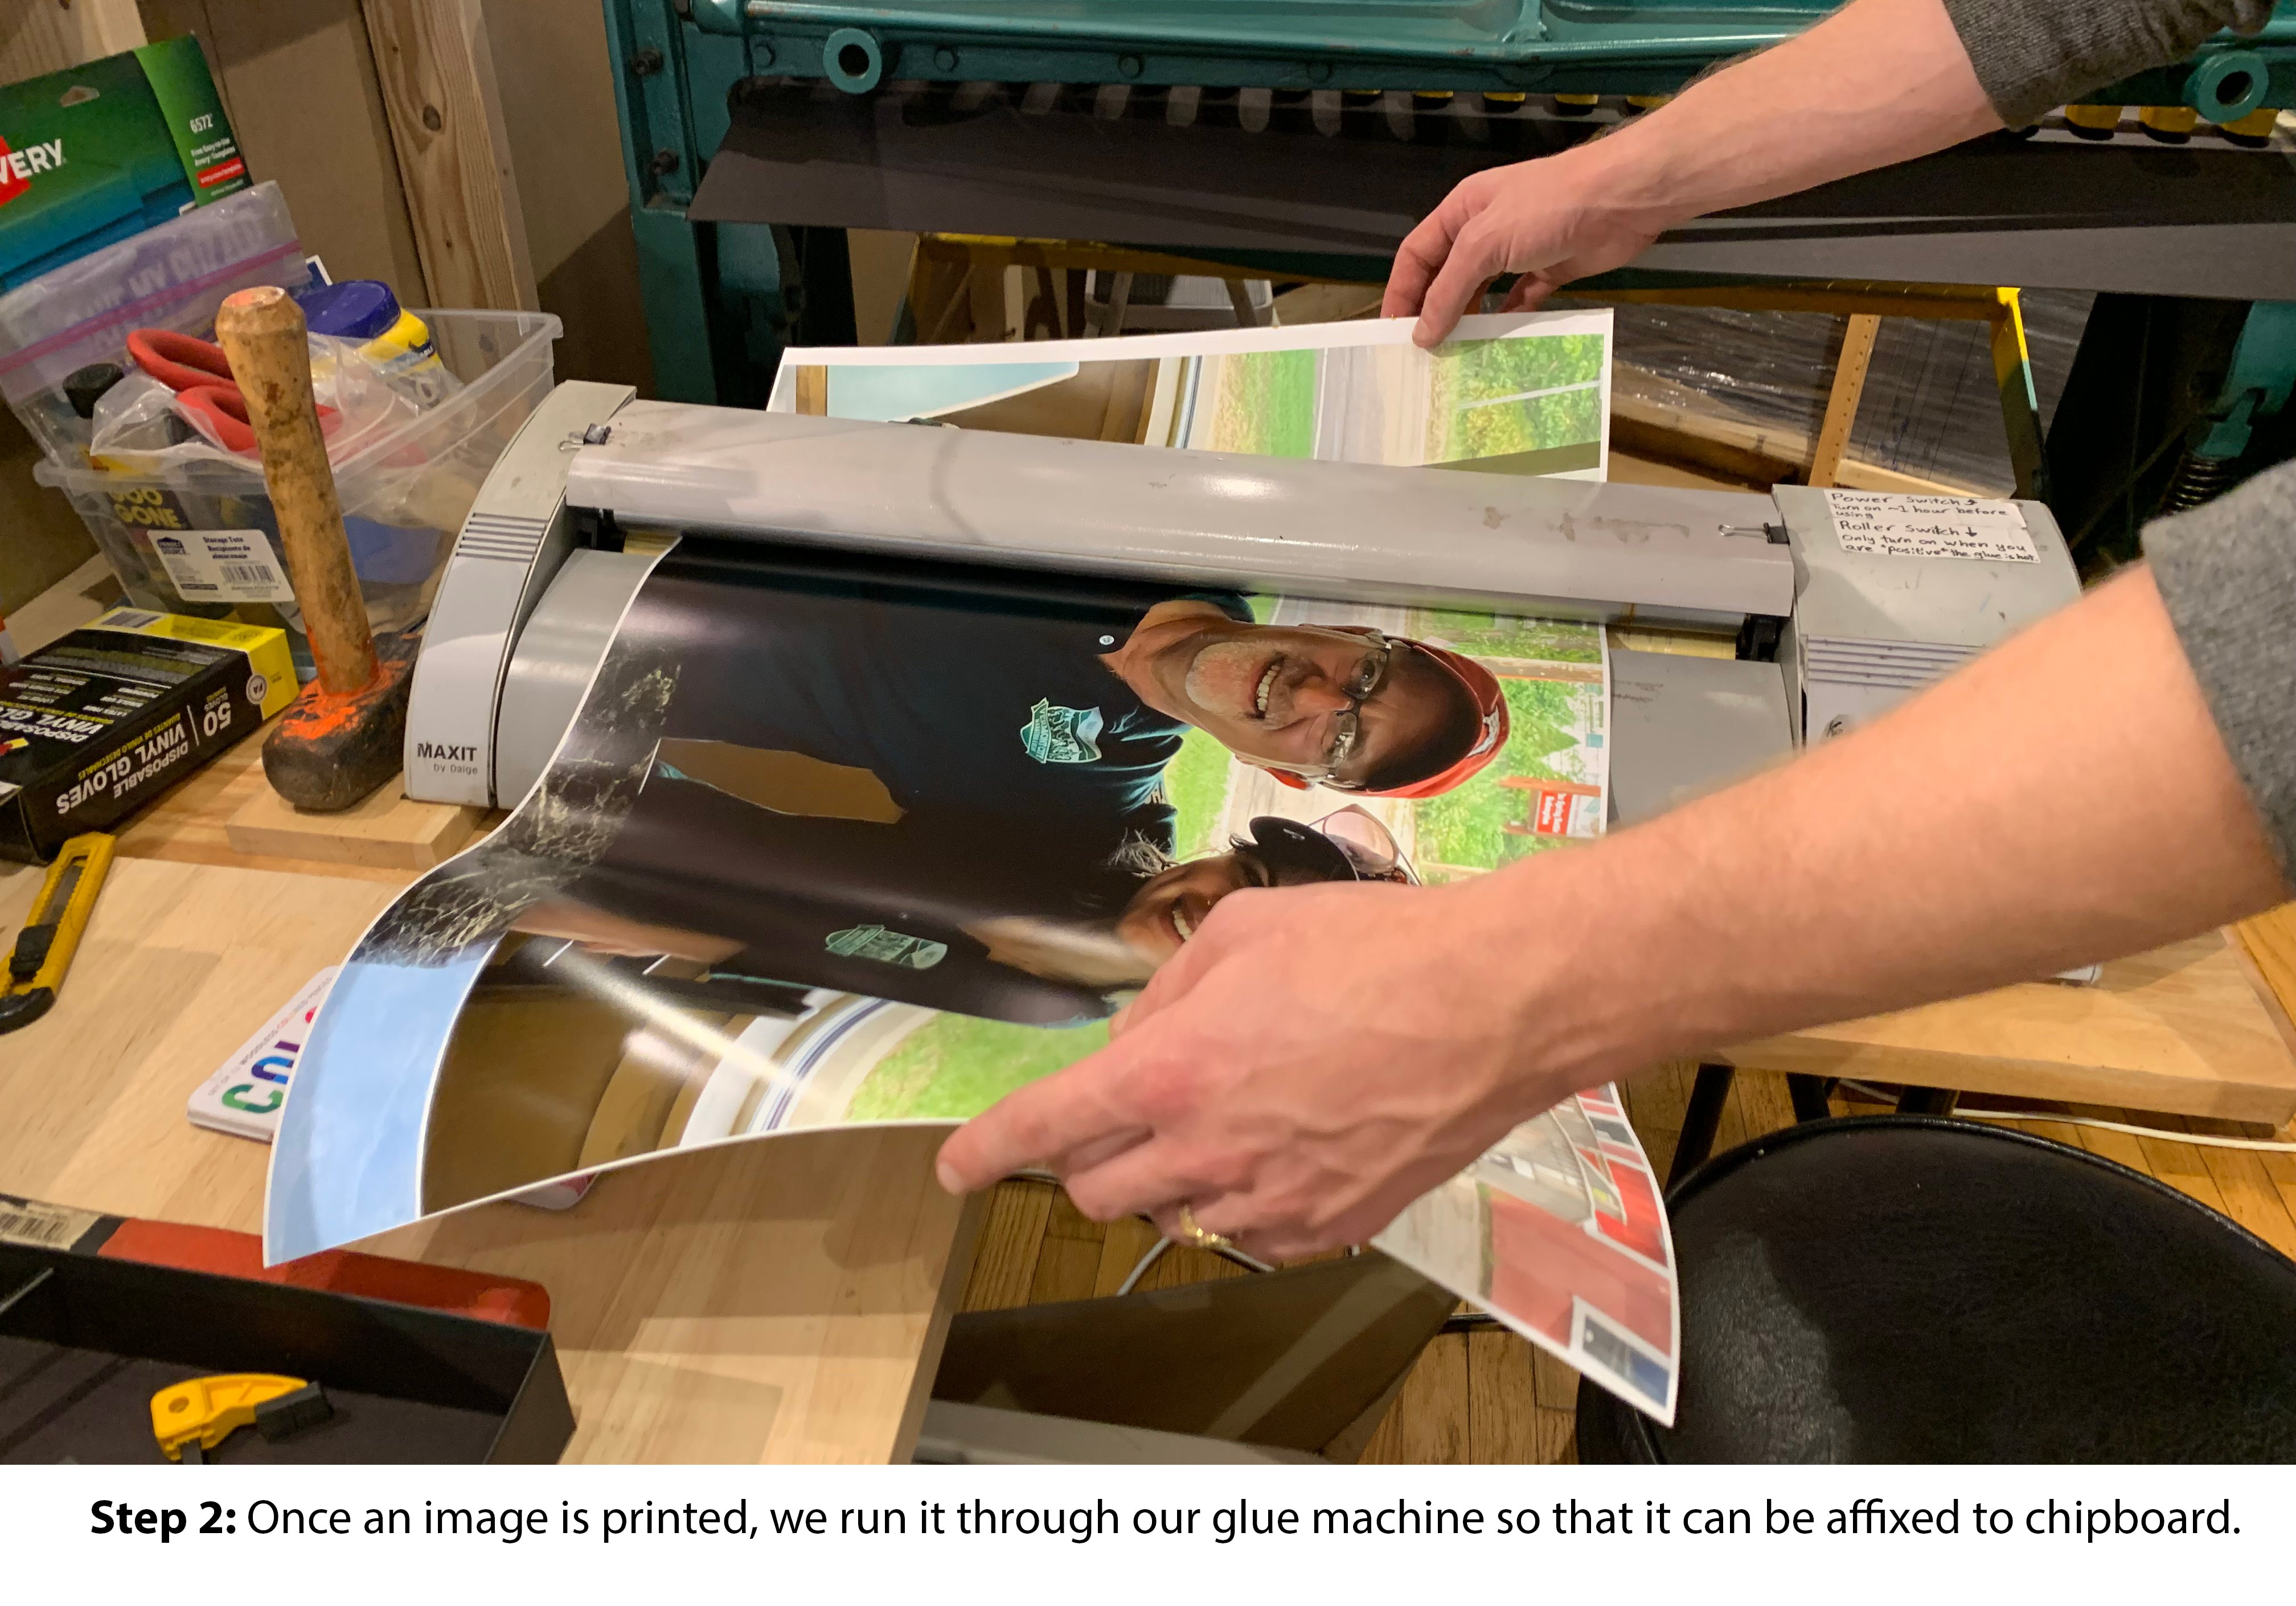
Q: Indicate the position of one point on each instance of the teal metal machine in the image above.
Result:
(722, 298)
(1551, 47)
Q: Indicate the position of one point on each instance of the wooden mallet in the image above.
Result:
(341, 737)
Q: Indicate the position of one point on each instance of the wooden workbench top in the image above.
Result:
(2187, 1029)
(782, 1300)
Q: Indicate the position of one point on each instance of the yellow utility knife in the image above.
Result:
(191, 1418)
(53, 929)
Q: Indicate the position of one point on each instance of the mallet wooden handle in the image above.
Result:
(261, 331)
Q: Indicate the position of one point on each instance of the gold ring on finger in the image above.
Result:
(1195, 1234)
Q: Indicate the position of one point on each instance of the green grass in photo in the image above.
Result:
(954, 1067)
(1501, 636)
(1503, 429)
(1267, 403)
(1195, 784)
(1479, 370)
(1466, 828)
(1466, 418)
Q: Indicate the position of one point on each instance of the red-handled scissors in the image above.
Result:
(200, 376)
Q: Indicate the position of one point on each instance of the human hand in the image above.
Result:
(1313, 1061)
(1551, 220)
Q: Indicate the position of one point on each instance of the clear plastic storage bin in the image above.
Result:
(173, 276)
(202, 539)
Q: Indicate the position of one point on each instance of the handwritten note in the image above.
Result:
(1931, 527)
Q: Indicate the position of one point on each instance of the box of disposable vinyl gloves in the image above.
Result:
(108, 717)
(102, 150)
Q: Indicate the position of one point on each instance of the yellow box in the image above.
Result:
(266, 645)
(94, 725)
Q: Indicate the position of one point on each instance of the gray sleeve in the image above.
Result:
(2032, 55)
(2227, 573)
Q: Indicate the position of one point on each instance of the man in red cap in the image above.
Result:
(1343, 706)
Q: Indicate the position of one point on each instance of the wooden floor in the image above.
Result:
(1487, 1396)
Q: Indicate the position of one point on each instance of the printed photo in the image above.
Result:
(958, 795)
(1561, 1231)
(986, 807)
(836, 839)
(1523, 393)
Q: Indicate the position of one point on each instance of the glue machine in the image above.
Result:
(1841, 603)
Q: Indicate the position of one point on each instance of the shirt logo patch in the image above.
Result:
(1058, 736)
(886, 947)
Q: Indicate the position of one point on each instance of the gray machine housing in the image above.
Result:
(1869, 629)
(1684, 725)
(471, 683)
(540, 580)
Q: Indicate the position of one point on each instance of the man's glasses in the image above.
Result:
(1347, 725)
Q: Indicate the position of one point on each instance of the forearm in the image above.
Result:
(1883, 81)
(2094, 812)
(1880, 81)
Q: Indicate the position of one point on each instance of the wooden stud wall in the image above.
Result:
(298, 81)
(435, 65)
(40, 36)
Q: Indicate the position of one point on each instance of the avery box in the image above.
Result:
(99, 152)
(94, 725)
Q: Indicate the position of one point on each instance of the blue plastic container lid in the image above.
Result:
(358, 309)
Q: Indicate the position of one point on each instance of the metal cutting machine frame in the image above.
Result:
(722, 295)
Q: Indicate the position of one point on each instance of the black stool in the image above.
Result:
(1908, 1289)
